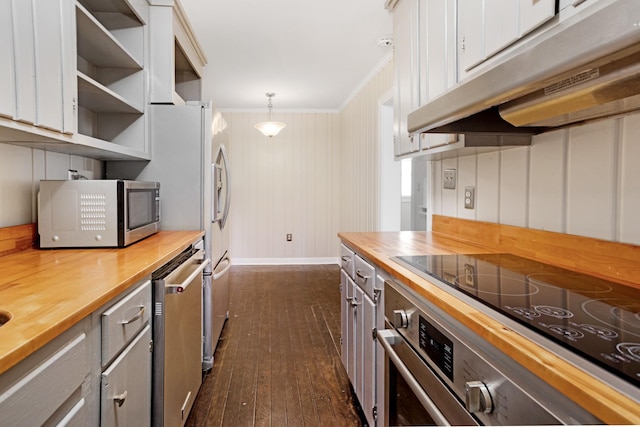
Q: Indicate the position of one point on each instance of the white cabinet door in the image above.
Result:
(500, 25)
(405, 35)
(359, 327)
(470, 34)
(126, 385)
(345, 321)
(438, 70)
(25, 69)
(7, 75)
(368, 399)
(534, 13)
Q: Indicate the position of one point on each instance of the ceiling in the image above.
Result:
(312, 54)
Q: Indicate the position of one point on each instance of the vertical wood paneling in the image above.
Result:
(629, 228)
(283, 185)
(514, 184)
(21, 169)
(359, 155)
(548, 182)
(591, 180)
(583, 181)
(488, 196)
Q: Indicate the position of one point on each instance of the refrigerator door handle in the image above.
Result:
(218, 274)
(223, 220)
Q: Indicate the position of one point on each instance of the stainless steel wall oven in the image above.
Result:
(439, 372)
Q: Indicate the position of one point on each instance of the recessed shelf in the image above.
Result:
(98, 46)
(113, 13)
(100, 99)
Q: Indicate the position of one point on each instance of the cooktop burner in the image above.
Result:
(595, 318)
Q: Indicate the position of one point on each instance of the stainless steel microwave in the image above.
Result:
(97, 213)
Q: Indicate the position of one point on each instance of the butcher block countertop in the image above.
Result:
(609, 405)
(48, 291)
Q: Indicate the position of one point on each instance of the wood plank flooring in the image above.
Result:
(278, 360)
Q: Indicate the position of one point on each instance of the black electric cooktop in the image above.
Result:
(595, 318)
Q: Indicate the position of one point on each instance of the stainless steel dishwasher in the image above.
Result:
(177, 331)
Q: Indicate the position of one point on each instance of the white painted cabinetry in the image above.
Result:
(49, 386)
(177, 60)
(125, 386)
(37, 65)
(361, 316)
(405, 63)
(98, 372)
(437, 56)
(486, 27)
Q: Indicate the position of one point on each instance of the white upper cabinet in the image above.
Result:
(406, 71)
(37, 66)
(486, 27)
(437, 53)
(177, 60)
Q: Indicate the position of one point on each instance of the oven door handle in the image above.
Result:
(389, 337)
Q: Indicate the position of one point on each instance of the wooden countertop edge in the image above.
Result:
(44, 336)
(604, 402)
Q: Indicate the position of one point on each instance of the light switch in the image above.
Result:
(449, 179)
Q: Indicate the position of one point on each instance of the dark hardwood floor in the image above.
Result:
(278, 360)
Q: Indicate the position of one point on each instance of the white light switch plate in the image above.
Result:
(449, 179)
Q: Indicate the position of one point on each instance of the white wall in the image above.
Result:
(583, 180)
(360, 177)
(22, 168)
(319, 176)
(287, 184)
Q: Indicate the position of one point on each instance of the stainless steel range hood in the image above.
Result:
(583, 68)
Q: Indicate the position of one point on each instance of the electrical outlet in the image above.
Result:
(470, 275)
(449, 179)
(289, 237)
(469, 197)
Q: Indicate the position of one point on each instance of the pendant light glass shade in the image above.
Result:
(270, 128)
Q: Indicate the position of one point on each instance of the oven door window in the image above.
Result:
(404, 407)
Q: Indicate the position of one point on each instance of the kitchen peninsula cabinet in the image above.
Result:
(361, 316)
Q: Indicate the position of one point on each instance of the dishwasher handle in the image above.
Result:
(178, 288)
(389, 337)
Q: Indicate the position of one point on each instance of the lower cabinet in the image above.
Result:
(98, 372)
(361, 316)
(49, 387)
(126, 385)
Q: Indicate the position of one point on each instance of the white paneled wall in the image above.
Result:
(22, 168)
(359, 154)
(285, 185)
(583, 180)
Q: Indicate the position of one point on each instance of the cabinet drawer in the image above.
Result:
(126, 385)
(365, 276)
(347, 260)
(36, 396)
(124, 320)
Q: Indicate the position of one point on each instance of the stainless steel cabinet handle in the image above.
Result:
(388, 337)
(361, 275)
(141, 310)
(120, 398)
(346, 258)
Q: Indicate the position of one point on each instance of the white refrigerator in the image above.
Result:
(188, 158)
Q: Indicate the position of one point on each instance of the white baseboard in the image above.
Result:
(285, 261)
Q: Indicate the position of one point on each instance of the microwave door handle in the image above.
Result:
(223, 220)
(387, 338)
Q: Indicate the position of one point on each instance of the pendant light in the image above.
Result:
(270, 128)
